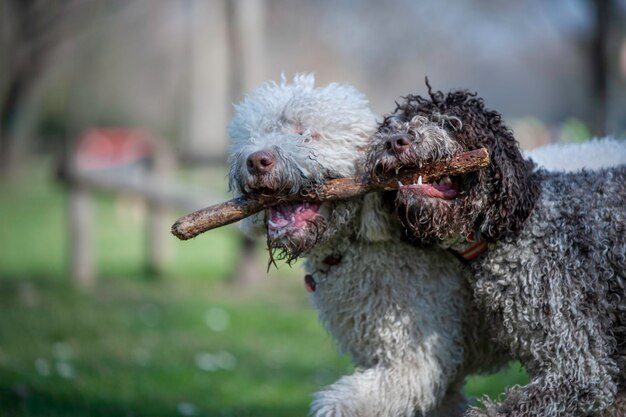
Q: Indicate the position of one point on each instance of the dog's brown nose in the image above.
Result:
(261, 162)
(399, 143)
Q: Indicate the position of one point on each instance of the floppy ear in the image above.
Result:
(377, 224)
(505, 192)
(513, 190)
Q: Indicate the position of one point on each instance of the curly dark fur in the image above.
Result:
(553, 282)
(503, 194)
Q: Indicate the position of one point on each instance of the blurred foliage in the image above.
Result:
(190, 344)
(574, 131)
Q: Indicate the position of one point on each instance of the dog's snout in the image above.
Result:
(399, 143)
(261, 162)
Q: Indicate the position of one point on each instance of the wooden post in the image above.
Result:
(156, 245)
(249, 271)
(157, 214)
(80, 239)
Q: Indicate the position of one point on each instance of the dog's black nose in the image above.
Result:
(399, 143)
(261, 162)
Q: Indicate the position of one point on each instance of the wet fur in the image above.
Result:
(553, 281)
(402, 314)
(495, 201)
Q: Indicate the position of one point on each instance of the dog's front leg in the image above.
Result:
(399, 390)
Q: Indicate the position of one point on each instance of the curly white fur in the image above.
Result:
(401, 313)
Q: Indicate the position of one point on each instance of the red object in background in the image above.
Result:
(104, 148)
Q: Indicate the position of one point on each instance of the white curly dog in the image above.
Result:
(404, 315)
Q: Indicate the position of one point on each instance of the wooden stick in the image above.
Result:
(243, 206)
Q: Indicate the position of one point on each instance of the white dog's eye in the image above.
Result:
(305, 133)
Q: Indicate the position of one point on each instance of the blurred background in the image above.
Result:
(113, 123)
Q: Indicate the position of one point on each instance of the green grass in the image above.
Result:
(143, 349)
(190, 342)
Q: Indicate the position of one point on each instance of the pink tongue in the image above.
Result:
(295, 214)
(443, 191)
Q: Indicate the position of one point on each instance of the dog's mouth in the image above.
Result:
(446, 188)
(289, 216)
(295, 228)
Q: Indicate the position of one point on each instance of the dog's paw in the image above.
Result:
(365, 394)
(351, 396)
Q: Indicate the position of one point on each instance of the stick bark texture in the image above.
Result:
(221, 214)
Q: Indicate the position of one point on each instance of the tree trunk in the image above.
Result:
(9, 109)
(599, 64)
